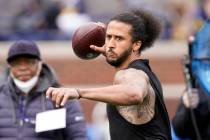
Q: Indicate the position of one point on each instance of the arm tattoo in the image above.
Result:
(141, 113)
(145, 110)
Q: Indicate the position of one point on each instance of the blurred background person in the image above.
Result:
(183, 18)
(206, 8)
(191, 119)
(201, 14)
(37, 20)
(158, 8)
(192, 116)
(71, 16)
(30, 17)
(22, 97)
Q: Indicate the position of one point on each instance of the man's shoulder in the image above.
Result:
(129, 74)
(3, 88)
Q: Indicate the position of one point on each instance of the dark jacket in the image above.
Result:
(182, 121)
(18, 112)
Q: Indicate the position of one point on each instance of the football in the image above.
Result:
(85, 35)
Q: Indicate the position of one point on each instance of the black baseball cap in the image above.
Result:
(23, 48)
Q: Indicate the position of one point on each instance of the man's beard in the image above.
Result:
(117, 62)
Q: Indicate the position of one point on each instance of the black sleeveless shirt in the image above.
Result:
(156, 129)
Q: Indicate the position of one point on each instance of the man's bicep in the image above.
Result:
(135, 78)
(131, 76)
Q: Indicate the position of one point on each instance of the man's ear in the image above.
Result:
(137, 45)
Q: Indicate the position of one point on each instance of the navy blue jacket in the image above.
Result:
(18, 112)
(182, 120)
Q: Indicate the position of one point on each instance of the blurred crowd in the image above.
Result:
(40, 19)
(57, 19)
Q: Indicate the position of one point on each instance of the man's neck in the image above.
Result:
(125, 64)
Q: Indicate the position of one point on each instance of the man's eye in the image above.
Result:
(118, 38)
(108, 37)
(31, 62)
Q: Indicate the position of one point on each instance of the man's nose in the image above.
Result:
(110, 43)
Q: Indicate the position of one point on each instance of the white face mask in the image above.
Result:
(26, 86)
